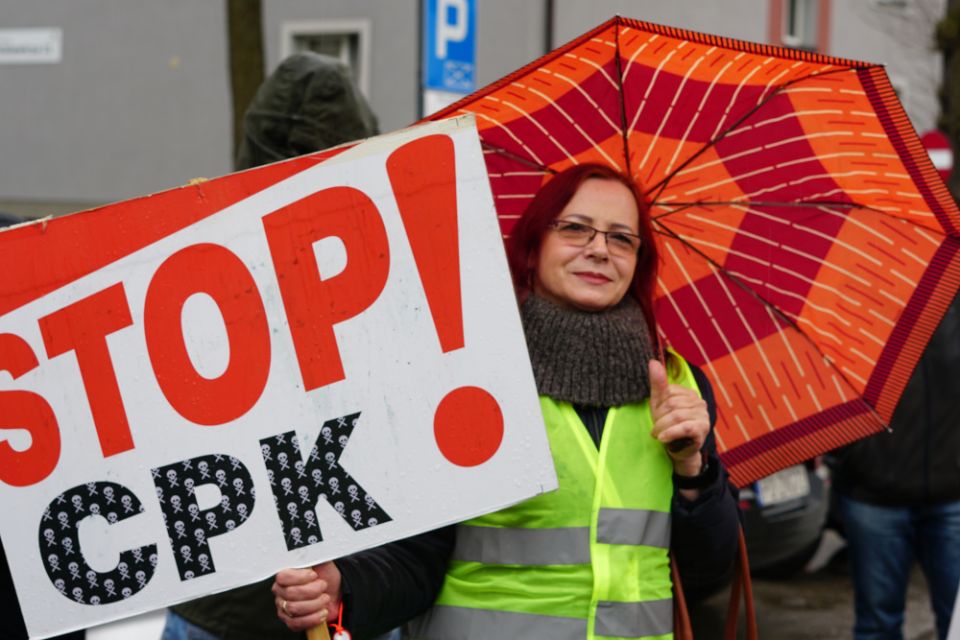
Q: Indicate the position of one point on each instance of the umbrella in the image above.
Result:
(808, 246)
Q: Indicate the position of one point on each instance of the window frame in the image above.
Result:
(361, 28)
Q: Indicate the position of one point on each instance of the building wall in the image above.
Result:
(140, 102)
(393, 48)
(743, 19)
(512, 34)
(900, 37)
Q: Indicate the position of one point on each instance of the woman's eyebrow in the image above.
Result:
(579, 216)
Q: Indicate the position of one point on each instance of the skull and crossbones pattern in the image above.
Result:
(62, 556)
(189, 526)
(319, 478)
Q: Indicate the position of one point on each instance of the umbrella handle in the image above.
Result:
(680, 444)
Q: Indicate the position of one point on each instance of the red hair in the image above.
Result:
(523, 245)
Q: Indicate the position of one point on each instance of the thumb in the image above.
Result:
(325, 570)
(658, 382)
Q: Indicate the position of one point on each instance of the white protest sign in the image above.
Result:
(269, 369)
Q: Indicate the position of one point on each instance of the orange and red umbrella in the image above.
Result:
(809, 248)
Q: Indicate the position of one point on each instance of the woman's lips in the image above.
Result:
(592, 277)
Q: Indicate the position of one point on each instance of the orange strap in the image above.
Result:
(339, 632)
(741, 582)
(681, 615)
(683, 630)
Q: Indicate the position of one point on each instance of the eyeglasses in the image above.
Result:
(619, 243)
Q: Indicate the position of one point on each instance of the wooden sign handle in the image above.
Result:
(318, 633)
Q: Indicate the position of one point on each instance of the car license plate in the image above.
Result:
(789, 484)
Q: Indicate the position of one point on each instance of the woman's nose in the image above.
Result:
(598, 245)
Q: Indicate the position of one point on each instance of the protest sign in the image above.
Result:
(270, 369)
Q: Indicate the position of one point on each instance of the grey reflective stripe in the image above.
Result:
(444, 622)
(634, 526)
(495, 545)
(634, 619)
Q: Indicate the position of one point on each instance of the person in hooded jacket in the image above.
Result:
(309, 103)
(899, 495)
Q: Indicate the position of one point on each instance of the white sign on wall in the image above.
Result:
(271, 369)
(31, 46)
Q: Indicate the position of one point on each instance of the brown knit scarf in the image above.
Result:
(592, 358)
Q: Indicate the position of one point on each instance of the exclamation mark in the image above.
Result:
(468, 423)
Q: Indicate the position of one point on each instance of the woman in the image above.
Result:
(592, 557)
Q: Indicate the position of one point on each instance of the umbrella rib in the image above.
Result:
(772, 308)
(623, 104)
(662, 184)
(515, 156)
(682, 206)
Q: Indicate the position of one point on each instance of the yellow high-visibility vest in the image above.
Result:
(589, 560)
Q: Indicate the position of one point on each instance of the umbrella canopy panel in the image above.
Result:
(808, 246)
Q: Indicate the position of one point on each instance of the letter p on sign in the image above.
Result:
(448, 30)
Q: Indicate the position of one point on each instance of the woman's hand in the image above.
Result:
(679, 415)
(306, 598)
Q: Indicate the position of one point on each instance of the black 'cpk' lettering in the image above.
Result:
(188, 526)
(298, 483)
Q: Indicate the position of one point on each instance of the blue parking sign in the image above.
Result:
(449, 45)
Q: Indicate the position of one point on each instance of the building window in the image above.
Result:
(346, 40)
(800, 24)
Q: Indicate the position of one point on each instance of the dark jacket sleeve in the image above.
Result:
(705, 531)
(390, 584)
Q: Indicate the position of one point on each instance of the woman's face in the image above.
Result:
(590, 277)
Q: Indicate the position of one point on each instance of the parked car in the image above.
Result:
(784, 518)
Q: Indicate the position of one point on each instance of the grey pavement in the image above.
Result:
(816, 605)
